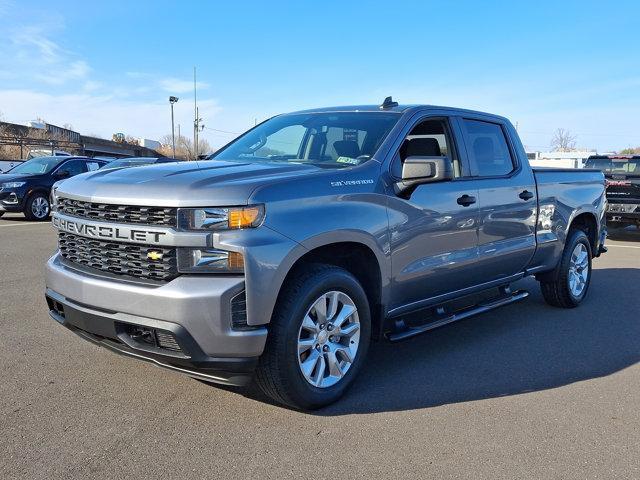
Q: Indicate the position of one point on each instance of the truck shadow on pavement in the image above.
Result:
(522, 348)
(630, 234)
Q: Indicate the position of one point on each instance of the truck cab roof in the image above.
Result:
(400, 109)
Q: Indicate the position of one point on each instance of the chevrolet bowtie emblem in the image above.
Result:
(154, 255)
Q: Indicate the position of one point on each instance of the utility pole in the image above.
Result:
(195, 117)
(173, 100)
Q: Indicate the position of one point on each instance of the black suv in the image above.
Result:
(26, 187)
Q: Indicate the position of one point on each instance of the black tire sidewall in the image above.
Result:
(300, 390)
(578, 236)
(28, 212)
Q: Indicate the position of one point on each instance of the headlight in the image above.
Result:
(12, 184)
(53, 200)
(200, 219)
(209, 260)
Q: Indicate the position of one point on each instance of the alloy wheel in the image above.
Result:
(578, 270)
(40, 207)
(328, 339)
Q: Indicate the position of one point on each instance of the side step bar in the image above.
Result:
(405, 332)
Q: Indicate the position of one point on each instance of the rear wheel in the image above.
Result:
(567, 286)
(318, 339)
(37, 207)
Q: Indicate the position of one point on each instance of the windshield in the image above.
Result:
(127, 163)
(37, 166)
(331, 140)
(616, 165)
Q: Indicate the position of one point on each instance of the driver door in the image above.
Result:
(434, 230)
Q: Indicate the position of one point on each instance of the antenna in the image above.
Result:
(388, 103)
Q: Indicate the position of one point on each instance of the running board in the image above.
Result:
(408, 332)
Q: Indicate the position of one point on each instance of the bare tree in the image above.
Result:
(563, 141)
(184, 147)
(630, 151)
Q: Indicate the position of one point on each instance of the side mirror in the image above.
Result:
(419, 170)
(62, 174)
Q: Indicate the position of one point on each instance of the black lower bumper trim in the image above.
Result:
(105, 332)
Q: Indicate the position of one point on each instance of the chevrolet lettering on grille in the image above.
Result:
(109, 232)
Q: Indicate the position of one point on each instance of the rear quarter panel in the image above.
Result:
(563, 194)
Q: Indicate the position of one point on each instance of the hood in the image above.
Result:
(184, 184)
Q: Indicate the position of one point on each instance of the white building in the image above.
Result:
(574, 159)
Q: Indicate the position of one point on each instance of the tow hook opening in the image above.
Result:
(56, 308)
(153, 338)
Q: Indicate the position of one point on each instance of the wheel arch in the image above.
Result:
(588, 223)
(357, 258)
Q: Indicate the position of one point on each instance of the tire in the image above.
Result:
(1, 214)
(564, 288)
(37, 208)
(280, 370)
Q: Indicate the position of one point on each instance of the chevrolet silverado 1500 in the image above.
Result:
(285, 254)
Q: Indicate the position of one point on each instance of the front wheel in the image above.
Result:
(37, 207)
(569, 283)
(318, 338)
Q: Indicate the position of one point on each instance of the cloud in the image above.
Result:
(176, 85)
(105, 114)
(30, 54)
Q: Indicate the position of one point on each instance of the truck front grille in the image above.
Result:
(162, 216)
(119, 258)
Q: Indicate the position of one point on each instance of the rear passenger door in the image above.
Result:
(506, 196)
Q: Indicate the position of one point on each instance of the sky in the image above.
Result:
(110, 66)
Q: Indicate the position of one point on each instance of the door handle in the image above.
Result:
(526, 195)
(466, 200)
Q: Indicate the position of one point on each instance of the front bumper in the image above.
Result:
(623, 212)
(195, 310)
(12, 200)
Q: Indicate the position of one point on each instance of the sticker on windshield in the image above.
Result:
(349, 160)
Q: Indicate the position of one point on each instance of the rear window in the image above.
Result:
(615, 165)
(488, 148)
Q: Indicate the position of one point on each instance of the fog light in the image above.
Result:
(209, 260)
(12, 199)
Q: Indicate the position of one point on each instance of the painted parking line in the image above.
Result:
(24, 224)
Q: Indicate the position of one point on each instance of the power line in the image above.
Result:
(223, 131)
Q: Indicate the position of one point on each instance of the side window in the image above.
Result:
(91, 166)
(429, 138)
(284, 142)
(74, 167)
(487, 148)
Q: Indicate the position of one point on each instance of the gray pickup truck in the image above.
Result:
(280, 258)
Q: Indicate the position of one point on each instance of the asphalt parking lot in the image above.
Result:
(527, 391)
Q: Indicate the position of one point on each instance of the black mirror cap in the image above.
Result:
(62, 174)
(420, 170)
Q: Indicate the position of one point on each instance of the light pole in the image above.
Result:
(173, 100)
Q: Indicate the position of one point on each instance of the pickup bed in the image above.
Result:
(285, 254)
